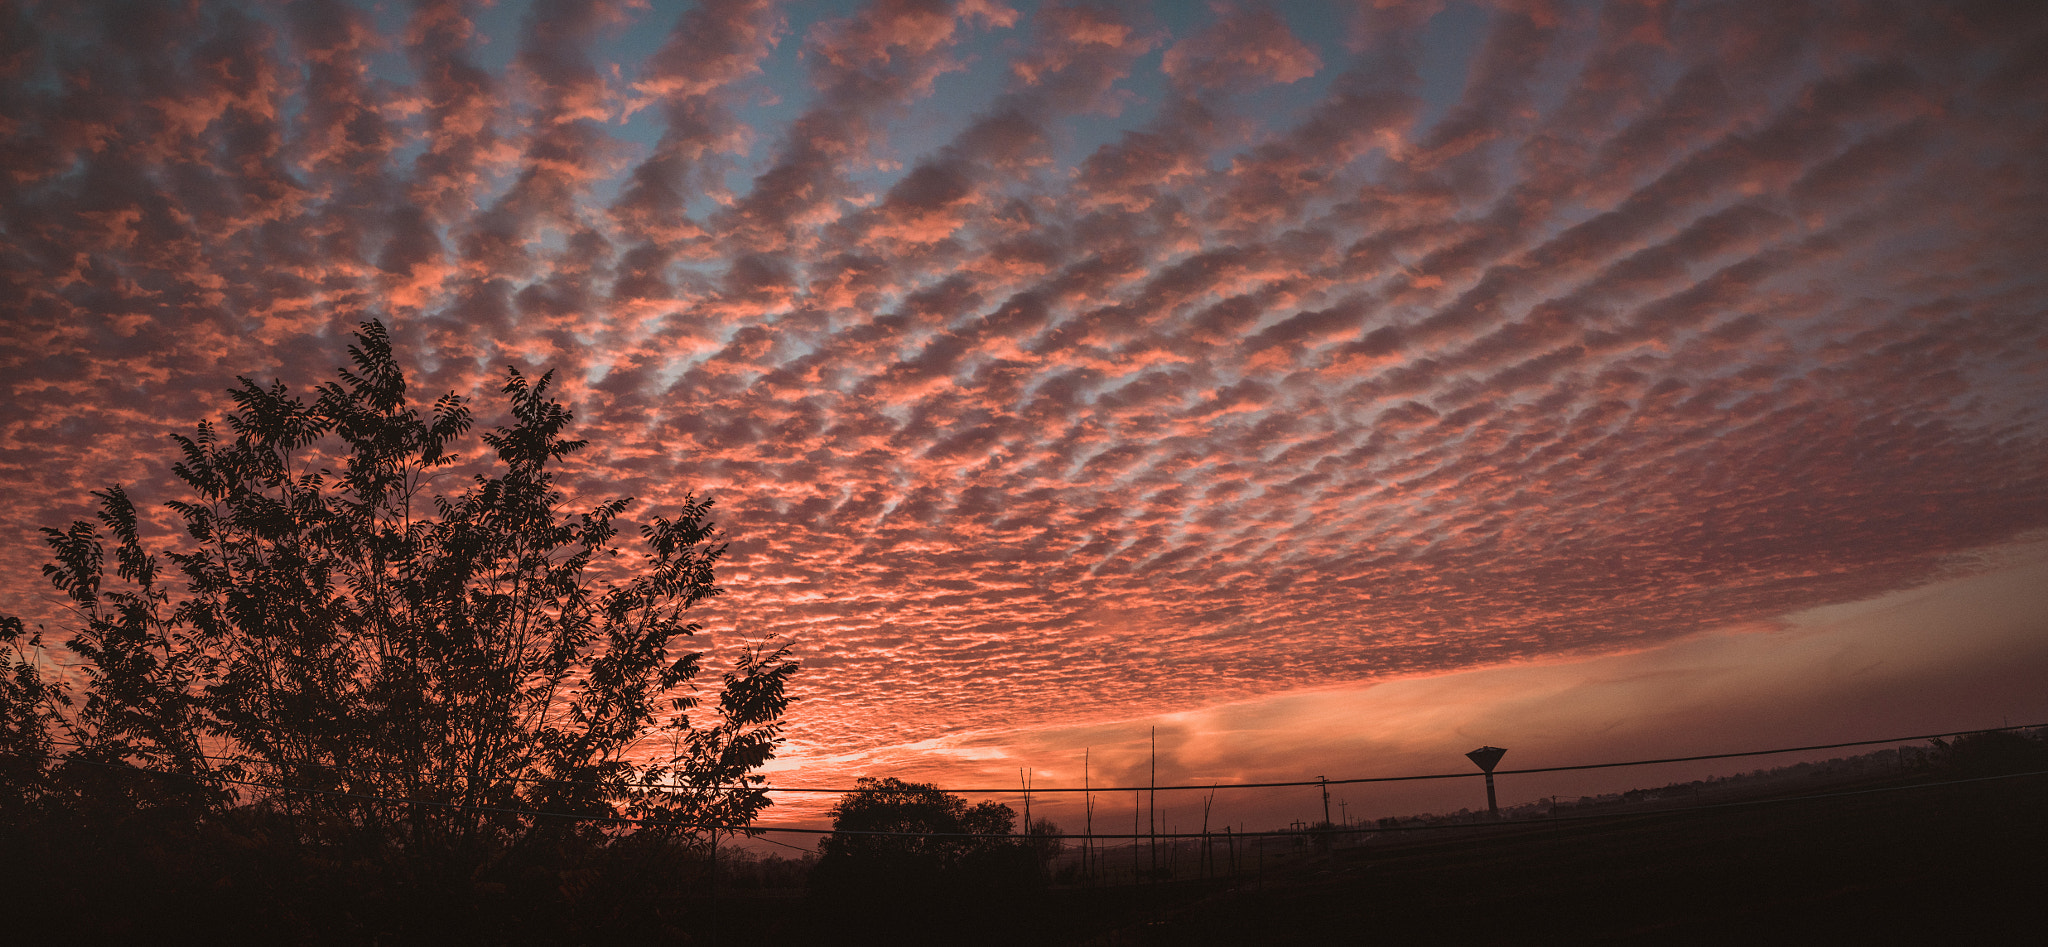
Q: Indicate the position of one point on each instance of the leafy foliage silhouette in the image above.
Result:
(344, 635)
(948, 850)
(1991, 753)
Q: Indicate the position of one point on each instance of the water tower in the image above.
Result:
(1487, 757)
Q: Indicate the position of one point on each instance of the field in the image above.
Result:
(1950, 864)
(1863, 861)
(1923, 857)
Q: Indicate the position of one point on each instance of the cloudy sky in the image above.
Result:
(1334, 386)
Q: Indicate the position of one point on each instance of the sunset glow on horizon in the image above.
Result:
(1328, 385)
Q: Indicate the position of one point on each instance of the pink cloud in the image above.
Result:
(1657, 322)
(1248, 46)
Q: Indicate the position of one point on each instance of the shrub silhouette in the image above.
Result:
(1991, 753)
(933, 855)
(344, 637)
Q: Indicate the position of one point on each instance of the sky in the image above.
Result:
(1328, 387)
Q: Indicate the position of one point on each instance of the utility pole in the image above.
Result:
(1088, 817)
(1326, 799)
(1208, 858)
(1152, 805)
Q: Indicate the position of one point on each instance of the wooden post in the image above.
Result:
(1088, 820)
(1204, 853)
(1152, 807)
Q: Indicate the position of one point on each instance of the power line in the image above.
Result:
(798, 830)
(1705, 807)
(1394, 779)
(793, 848)
(1006, 790)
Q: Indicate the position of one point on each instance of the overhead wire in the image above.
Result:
(752, 829)
(1035, 790)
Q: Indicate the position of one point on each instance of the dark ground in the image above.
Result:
(1965, 863)
(1957, 864)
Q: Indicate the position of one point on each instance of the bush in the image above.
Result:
(435, 686)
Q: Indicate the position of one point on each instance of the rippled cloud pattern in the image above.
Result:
(1066, 360)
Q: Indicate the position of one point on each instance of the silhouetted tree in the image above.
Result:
(30, 708)
(345, 636)
(920, 837)
(911, 863)
(1992, 753)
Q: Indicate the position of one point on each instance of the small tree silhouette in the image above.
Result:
(926, 846)
(1992, 753)
(345, 638)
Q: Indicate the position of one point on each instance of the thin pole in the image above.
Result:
(1152, 809)
(1173, 853)
(1088, 818)
(1205, 853)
